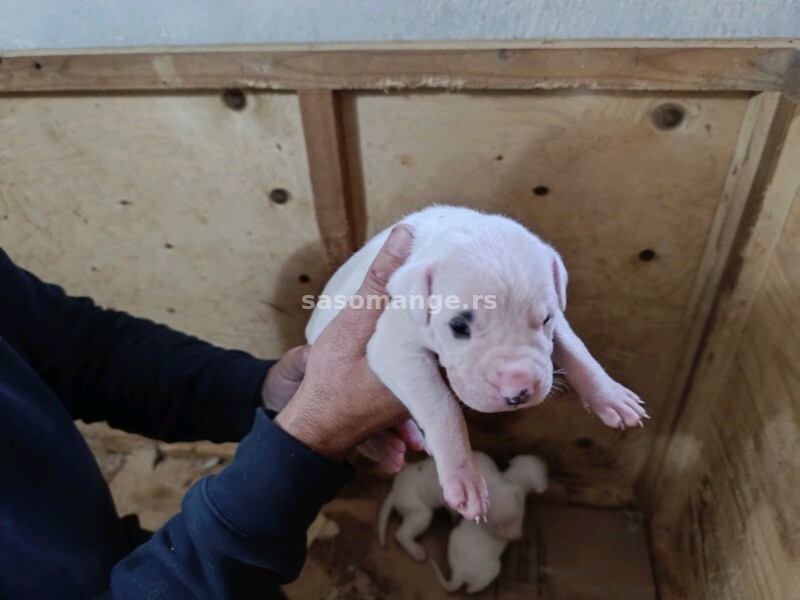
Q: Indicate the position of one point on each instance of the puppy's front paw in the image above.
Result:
(385, 448)
(465, 490)
(616, 405)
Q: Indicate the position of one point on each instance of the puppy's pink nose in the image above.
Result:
(514, 384)
(520, 398)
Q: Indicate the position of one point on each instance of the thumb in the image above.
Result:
(292, 365)
(361, 316)
(284, 377)
(391, 257)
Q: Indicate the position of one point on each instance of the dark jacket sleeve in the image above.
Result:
(137, 375)
(241, 533)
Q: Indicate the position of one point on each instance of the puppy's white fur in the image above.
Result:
(474, 553)
(506, 361)
(474, 549)
(525, 473)
(416, 493)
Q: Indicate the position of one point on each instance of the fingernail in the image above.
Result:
(398, 243)
(646, 416)
(640, 423)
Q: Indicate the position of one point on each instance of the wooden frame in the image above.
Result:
(634, 65)
(768, 68)
(326, 146)
(749, 217)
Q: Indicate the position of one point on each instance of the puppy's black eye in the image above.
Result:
(460, 327)
(547, 320)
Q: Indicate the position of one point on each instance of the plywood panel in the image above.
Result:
(592, 174)
(726, 516)
(159, 205)
(732, 267)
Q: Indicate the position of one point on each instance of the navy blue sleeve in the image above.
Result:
(241, 533)
(137, 375)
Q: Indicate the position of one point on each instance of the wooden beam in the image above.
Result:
(326, 148)
(633, 65)
(755, 202)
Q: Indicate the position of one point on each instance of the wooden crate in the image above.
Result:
(211, 188)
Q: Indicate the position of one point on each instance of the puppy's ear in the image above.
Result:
(410, 289)
(560, 279)
(528, 472)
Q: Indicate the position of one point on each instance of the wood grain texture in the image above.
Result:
(755, 158)
(160, 206)
(635, 65)
(724, 514)
(330, 176)
(590, 173)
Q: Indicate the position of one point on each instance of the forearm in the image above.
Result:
(137, 375)
(242, 532)
(158, 382)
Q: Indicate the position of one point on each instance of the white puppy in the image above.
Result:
(416, 493)
(474, 549)
(481, 297)
(474, 553)
(525, 473)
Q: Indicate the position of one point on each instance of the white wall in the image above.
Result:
(91, 23)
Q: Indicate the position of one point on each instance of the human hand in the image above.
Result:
(284, 377)
(340, 402)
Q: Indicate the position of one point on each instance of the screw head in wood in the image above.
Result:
(279, 196)
(541, 190)
(667, 116)
(234, 99)
(647, 255)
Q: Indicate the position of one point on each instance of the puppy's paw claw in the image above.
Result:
(466, 492)
(617, 406)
